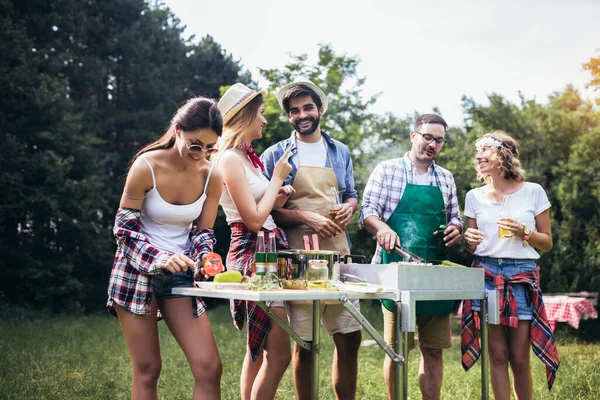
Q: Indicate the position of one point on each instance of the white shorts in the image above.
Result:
(334, 317)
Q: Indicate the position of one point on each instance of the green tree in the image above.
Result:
(87, 84)
(577, 266)
(347, 119)
(593, 66)
(47, 163)
(548, 135)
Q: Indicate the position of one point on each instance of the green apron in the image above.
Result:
(416, 217)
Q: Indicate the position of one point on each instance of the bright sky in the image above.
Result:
(418, 54)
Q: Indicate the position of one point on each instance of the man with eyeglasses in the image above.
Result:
(405, 201)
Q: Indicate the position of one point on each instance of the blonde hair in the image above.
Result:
(237, 125)
(507, 155)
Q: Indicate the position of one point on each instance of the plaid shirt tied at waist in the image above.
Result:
(542, 338)
(136, 261)
(239, 258)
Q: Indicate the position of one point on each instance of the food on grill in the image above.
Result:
(449, 263)
(410, 263)
(229, 276)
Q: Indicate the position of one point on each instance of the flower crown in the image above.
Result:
(487, 142)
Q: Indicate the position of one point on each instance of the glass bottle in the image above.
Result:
(442, 250)
(260, 256)
(271, 270)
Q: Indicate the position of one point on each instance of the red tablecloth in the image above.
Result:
(569, 309)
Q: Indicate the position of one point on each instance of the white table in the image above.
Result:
(404, 284)
(314, 296)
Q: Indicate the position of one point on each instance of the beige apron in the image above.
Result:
(312, 185)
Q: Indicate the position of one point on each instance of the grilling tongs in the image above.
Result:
(407, 255)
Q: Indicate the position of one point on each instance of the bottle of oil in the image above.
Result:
(260, 256)
(271, 273)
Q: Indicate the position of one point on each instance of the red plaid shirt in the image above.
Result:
(542, 338)
(136, 261)
(239, 258)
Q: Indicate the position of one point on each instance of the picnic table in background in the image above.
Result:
(570, 307)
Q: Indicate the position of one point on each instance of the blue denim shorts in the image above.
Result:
(162, 285)
(509, 267)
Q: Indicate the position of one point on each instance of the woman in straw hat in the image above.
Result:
(164, 225)
(268, 348)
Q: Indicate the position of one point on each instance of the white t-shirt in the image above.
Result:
(311, 154)
(258, 186)
(524, 205)
(421, 179)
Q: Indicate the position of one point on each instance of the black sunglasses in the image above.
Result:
(196, 148)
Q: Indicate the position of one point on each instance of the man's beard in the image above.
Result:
(311, 129)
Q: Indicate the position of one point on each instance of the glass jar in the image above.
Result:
(318, 270)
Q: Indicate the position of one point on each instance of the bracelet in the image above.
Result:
(526, 235)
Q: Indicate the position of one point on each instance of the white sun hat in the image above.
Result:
(235, 98)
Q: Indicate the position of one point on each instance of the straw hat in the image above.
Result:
(305, 82)
(234, 99)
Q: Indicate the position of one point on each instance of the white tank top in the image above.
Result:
(167, 226)
(258, 186)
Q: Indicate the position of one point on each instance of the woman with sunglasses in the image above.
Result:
(247, 200)
(508, 221)
(163, 227)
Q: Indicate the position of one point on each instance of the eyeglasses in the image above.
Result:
(197, 149)
(427, 138)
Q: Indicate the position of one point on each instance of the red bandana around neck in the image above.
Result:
(251, 153)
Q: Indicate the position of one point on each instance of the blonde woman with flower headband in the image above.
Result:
(247, 200)
(508, 220)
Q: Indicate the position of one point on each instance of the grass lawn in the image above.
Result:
(85, 357)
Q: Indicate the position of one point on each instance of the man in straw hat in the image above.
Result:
(405, 201)
(319, 163)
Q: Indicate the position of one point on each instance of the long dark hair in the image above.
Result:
(196, 113)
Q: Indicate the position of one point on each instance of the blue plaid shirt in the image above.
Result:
(340, 157)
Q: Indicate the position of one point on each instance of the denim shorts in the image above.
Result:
(162, 285)
(509, 267)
